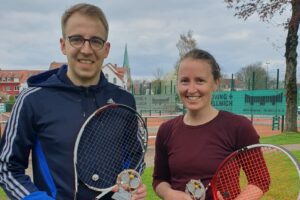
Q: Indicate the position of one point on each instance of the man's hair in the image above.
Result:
(200, 54)
(87, 10)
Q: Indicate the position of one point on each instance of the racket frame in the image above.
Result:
(233, 154)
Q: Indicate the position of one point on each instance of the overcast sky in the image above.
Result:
(30, 32)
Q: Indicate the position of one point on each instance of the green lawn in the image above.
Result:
(285, 138)
(147, 180)
(2, 195)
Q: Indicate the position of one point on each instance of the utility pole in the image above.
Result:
(267, 71)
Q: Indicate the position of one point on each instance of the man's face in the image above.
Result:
(85, 62)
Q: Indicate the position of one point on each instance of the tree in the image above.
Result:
(157, 81)
(4, 97)
(266, 10)
(158, 74)
(184, 45)
(253, 76)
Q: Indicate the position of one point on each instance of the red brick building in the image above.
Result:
(12, 81)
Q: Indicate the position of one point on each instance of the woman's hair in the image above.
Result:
(87, 10)
(204, 55)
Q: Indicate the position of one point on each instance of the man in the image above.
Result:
(47, 116)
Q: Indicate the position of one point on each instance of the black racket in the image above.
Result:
(260, 171)
(113, 139)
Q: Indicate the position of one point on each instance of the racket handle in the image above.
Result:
(104, 192)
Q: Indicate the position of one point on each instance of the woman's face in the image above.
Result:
(196, 84)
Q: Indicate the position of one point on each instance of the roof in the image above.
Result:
(23, 75)
(119, 71)
(227, 81)
(55, 65)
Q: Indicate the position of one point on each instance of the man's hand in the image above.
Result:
(140, 194)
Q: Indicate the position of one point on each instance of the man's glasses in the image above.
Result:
(78, 41)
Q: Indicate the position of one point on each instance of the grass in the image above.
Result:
(2, 195)
(147, 180)
(284, 138)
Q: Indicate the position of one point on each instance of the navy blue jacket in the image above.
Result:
(45, 120)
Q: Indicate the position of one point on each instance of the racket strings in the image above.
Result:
(266, 168)
(108, 145)
(257, 173)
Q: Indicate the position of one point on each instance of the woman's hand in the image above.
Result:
(251, 192)
(220, 197)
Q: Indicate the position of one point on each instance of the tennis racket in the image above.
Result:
(112, 139)
(260, 171)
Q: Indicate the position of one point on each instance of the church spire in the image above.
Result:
(126, 59)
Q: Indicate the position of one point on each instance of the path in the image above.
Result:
(292, 147)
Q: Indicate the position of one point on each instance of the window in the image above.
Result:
(8, 88)
(17, 88)
(16, 79)
(115, 80)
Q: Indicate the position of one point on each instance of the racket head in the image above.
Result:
(271, 168)
(112, 139)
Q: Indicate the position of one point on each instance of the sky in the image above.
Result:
(30, 33)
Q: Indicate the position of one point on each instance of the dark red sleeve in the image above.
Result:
(247, 134)
(161, 171)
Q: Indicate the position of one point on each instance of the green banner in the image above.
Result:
(245, 102)
(252, 102)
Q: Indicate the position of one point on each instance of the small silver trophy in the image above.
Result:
(128, 181)
(195, 189)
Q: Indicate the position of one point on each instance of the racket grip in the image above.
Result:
(104, 192)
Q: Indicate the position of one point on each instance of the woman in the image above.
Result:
(193, 145)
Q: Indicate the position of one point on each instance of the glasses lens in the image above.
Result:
(97, 43)
(76, 41)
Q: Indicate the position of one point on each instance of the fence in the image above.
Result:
(270, 80)
(245, 102)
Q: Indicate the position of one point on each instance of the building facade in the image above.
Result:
(13, 81)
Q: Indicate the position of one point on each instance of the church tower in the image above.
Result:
(127, 67)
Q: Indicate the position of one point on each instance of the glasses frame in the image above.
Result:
(86, 40)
